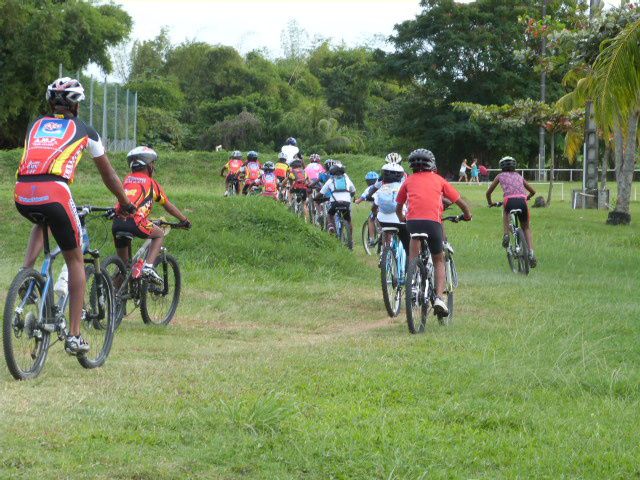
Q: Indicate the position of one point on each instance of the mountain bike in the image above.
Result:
(158, 302)
(518, 249)
(369, 242)
(32, 314)
(233, 186)
(420, 284)
(343, 226)
(392, 270)
(297, 201)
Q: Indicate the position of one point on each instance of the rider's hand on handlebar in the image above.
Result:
(467, 218)
(128, 209)
(186, 224)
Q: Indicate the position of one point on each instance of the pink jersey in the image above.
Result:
(512, 184)
(313, 171)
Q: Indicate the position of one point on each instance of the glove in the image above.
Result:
(186, 224)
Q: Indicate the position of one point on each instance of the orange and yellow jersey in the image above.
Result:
(282, 170)
(54, 145)
(233, 166)
(298, 178)
(252, 170)
(143, 191)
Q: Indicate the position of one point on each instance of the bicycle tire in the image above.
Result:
(391, 291)
(416, 301)
(98, 324)
(345, 234)
(35, 355)
(523, 259)
(365, 236)
(114, 267)
(150, 292)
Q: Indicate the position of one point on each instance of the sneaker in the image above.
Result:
(372, 243)
(75, 345)
(533, 261)
(505, 241)
(151, 274)
(440, 308)
(226, 193)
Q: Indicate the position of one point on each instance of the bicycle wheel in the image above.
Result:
(416, 299)
(391, 291)
(365, 236)
(523, 257)
(98, 322)
(158, 303)
(345, 234)
(25, 344)
(117, 273)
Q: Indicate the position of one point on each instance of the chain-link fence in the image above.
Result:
(109, 108)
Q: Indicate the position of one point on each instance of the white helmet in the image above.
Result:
(393, 157)
(65, 91)
(392, 167)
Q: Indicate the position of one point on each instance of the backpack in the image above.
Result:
(386, 199)
(340, 184)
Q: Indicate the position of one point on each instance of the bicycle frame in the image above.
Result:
(398, 249)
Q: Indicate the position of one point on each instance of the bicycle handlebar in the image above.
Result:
(109, 212)
(496, 204)
(161, 223)
(454, 218)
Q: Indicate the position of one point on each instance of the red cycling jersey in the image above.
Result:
(142, 191)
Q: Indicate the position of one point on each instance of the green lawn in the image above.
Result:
(281, 362)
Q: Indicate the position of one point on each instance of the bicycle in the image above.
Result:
(297, 203)
(158, 302)
(392, 270)
(369, 242)
(233, 186)
(343, 226)
(517, 249)
(31, 313)
(420, 284)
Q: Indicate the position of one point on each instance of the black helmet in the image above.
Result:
(297, 163)
(421, 160)
(291, 141)
(507, 164)
(337, 169)
(252, 156)
(269, 167)
(141, 157)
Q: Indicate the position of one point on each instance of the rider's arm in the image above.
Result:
(530, 189)
(490, 190)
(173, 210)
(465, 209)
(223, 169)
(110, 179)
(401, 198)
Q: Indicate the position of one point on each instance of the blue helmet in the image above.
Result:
(291, 141)
(371, 177)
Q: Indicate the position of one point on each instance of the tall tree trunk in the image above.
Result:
(625, 163)
(605, 165)
(552, 165)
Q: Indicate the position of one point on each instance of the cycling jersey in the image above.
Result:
(270, 183)
(338, 189)
(54, 145)
(385, 199)
(424, 192)
(512, 185)
(252, 171)
(143, 191)
(233, 166)
(313, 171)
(290, 151)
(282, 170)
(298, 179)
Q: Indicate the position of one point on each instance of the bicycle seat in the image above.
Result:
(516, 210)
(390, 229)
(128, 235)
(420, 235)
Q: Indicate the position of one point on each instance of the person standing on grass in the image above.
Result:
(463, 171)
(424, 192)
(484, 173)
(515, 189)
(475, 172)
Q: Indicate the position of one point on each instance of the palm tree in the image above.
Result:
(613, 85)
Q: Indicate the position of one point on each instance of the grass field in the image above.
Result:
(281, 362)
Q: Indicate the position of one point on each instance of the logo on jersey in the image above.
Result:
(52, 128)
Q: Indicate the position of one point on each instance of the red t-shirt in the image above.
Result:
(424, 191)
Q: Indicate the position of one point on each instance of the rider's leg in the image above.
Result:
(372, 225)
(77, 284)
(414, 248)
(526, 228)
(438, 265)
(36, 243)
(157, 237)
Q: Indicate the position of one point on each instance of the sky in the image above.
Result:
(251, 24)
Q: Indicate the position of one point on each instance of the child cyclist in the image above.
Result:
(268, 181)
(339, 189)
(385, 201)
(515, 190)
(232, 167)
(143, 190)
(423, 191)
(251, 171)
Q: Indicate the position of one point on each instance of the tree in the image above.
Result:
(149, 57)
(39, 35)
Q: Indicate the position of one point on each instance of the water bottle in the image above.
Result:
(61, 286)
(136, 271)
(85, 240)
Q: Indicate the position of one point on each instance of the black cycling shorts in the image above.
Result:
(431, 228)
(345, 206)
(126, 225)
(516, 203)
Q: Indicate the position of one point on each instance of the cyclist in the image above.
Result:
(423, 191)
(53, 146)
(314, 169)
(268, 181)
(290, 149)
(232, 167)
(143, 190)
(282, 170)
(298, 182)
(373, 180)
(339, 190)
(514, 188)
(385, 201)
(251, 171)
(316, 186)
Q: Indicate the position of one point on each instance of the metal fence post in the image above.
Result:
(91, 102)
(104, 113)
(135, 118)
(126, 123)
(115, 115)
